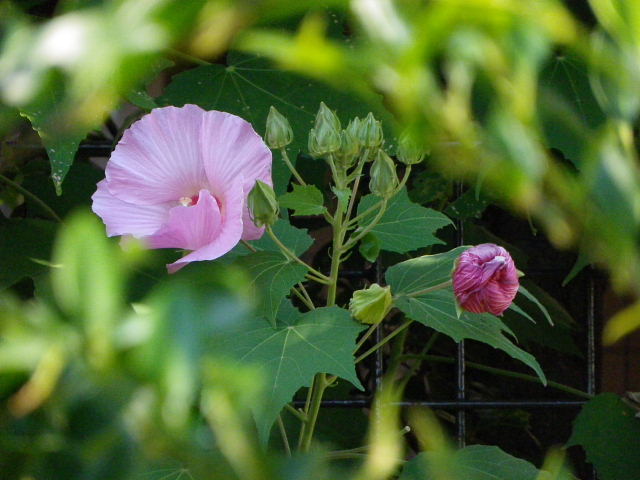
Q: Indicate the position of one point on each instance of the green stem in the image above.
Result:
(429, 345)
(299, 292)
(384, 340)
(364, 338)
(187, 57)
(359, 235)
(293, 170)
(295, 412)
(505, 373)
(417, 293)
(32, 196)
(283, 434)
(317, 389)
(288, 253)
(356, 184)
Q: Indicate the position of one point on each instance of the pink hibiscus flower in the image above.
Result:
(179, 178)
(485, 279)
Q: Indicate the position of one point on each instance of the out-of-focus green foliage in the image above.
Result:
(491, 86)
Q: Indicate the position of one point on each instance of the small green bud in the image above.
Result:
(326, 115)
(353, 127)
(324, 139)
(279, 133)
(372, 304)
(263, 204)
(371, 135)
(409, 151)
(384, 179)
(349, 149)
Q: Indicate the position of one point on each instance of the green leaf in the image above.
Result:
(476, 462)
(468, 205)
(296, 239)
(533, 299)
(405, 226)
(608, 431)
(249, 85)
(369, 247)
(25, 249)
(304, 200)
(568, 108)
(272, 276)
(61, 143)
(343, 196)
(437, 308)
(581, 262)
(320, 341)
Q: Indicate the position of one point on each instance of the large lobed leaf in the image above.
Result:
(290, 354)
(249, 85)
(609, 432)
(476, 462)
(437, 309)
(272, 276)
(405, 225)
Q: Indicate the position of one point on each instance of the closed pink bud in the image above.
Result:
(485, 279)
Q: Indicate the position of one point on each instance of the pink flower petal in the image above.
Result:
(227, 236)
(122, 218)
(190, 227)
(231, 149)
(159, 158)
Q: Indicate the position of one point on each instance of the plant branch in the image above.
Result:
(505, 373)
(283, 434)
(433, 288)
(359, 235)
(293, 170)
(288, 253)
(32, 196)
(384, 340)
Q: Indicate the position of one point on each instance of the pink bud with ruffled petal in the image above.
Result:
(180, 177)
(485, 279)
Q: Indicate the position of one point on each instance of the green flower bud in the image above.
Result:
(370, 134)
(349, 149)
(372, 304)
(409, 151)
(353, 127)
(263, 204)
(279, 133)
(324, 139)
(326, 115)
(384, 179)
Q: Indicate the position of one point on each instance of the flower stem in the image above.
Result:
(295, 412)
(187, 57)
(433, 288)
(384, 340)
(505, 373)
(283, 433)
(367, 334)
(359, 235)
(287, 161)
(321, 277)
(32, 196)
